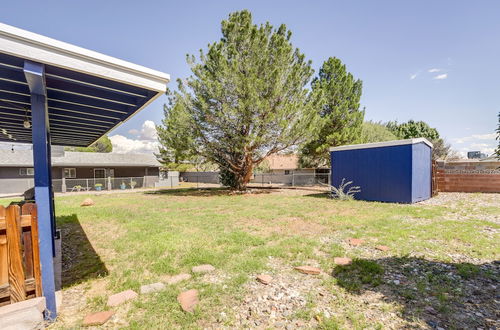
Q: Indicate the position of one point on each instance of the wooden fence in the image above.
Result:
(20, 277)
(434, 184)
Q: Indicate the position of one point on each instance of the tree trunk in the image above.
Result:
(244, 176)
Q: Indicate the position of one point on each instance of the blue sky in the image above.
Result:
(435, 61)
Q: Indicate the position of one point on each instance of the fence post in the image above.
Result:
(63, 185)
(87, 183)
(16, 271)
(293, 179)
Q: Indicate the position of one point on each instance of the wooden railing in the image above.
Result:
(20, 277)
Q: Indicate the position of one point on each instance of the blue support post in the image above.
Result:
(35, 76)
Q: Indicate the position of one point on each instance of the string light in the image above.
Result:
(26, 122)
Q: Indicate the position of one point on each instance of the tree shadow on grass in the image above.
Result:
(322, 195)
(446, 295)
(80, 261)
(203, 192)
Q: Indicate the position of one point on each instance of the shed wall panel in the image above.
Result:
(383, 174)
(421, 172)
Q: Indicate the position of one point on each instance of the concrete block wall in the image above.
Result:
(468, 176)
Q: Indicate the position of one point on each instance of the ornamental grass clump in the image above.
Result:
(343, 193)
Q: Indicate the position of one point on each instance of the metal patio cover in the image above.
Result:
(52, 92)
(88, 93)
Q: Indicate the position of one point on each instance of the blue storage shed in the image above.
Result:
(394, 171)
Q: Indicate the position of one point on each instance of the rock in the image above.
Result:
(188, 300)
(382, 248)
(308, 270)
(154, 287)
(178, 278)
(264, 279)
(203, 269)
(342, 261)
(356, 241)
(87, 202)
(120, 298)
(97, 318)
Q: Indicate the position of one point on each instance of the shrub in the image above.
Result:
(341, 193)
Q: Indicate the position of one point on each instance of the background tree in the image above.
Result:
(246, 98)
(102, 145)
(177, 150)
(417, 129)
(413, 129)
(340, 119)
(376, 132)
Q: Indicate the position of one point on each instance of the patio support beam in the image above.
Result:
(44, 196)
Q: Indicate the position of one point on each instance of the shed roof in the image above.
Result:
(382, 144)
(88, 93)
(24, 158)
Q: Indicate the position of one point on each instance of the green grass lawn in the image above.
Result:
(126, 240)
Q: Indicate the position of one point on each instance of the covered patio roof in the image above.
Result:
(52, 92)
(88, 93)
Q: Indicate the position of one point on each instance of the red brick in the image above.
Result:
(97, 318)
(264, 279)
(342, 261)
(120, 298)
(308, 270)
(356, 241)
(188, 300)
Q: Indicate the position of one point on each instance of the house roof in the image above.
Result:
(382, 144)
(87, 93)
(283, 162)
(24, 158)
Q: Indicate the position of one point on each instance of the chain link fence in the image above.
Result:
(99, 184)
(211, 179)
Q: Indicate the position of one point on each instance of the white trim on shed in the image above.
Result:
(382, 144)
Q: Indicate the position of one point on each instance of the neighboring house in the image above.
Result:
(77, 168)
(286, 164)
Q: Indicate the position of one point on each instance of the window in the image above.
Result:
(287, 172)
(99, 172)
(30, 171)
(70, 173)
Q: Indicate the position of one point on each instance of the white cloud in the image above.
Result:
(485, 143)
(413, 76)
(441, 76)
(134, 131)
(147, 132)
(434, 70)
(145, 141)
(124, 145)
(488, 136)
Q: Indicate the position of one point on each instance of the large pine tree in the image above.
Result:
(247, 98)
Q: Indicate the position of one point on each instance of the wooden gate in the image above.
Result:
(20, 277)
(434, 173)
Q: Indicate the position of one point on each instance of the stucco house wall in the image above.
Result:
(123, 166)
